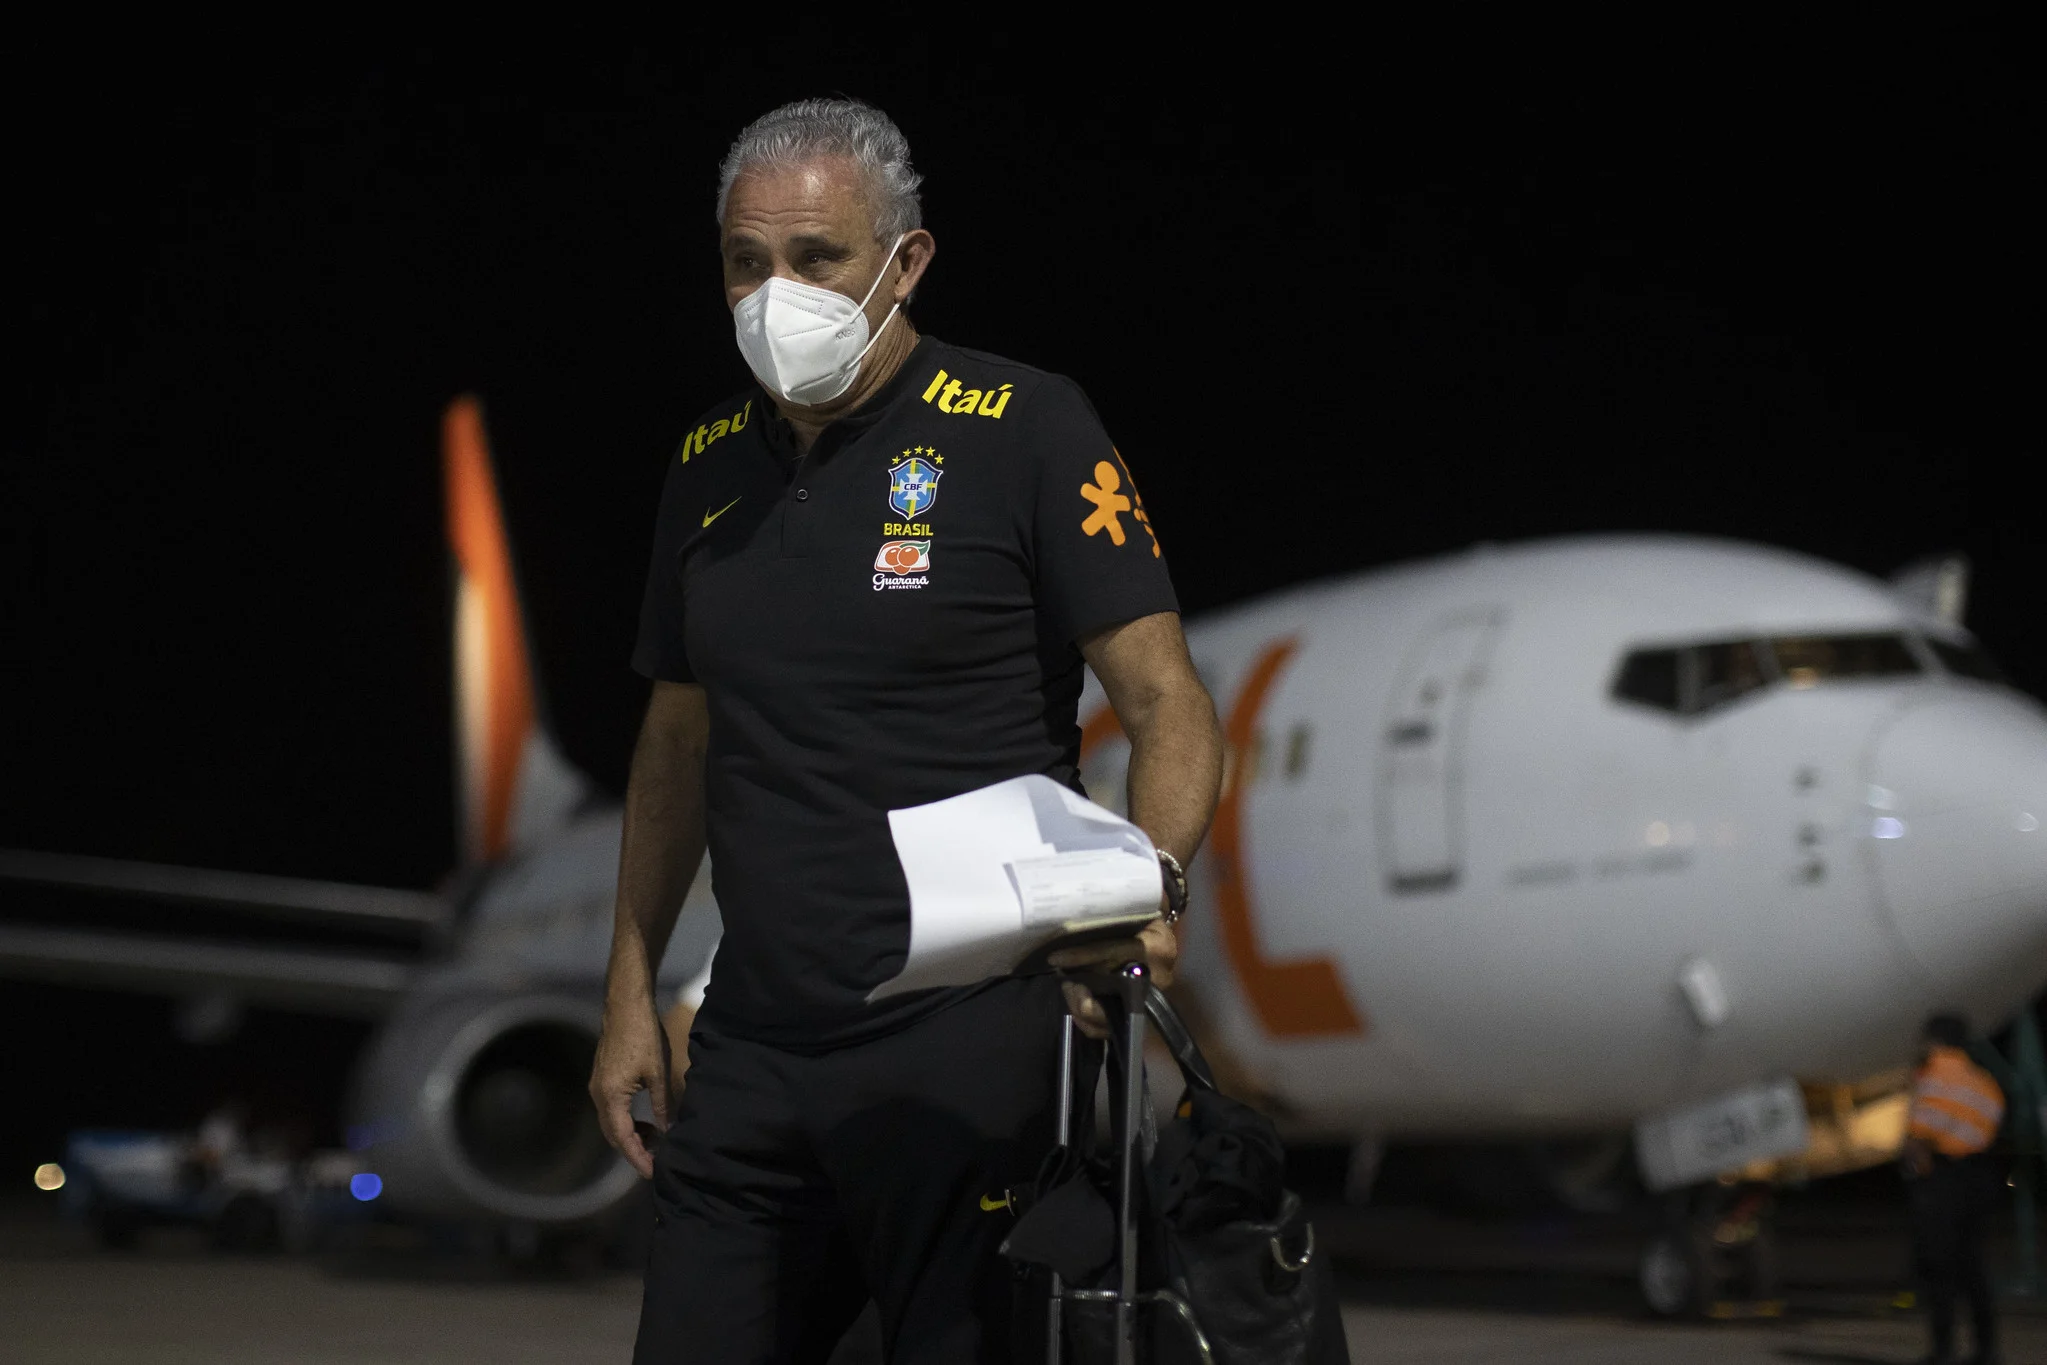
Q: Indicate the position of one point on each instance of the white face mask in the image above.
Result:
(803, 343)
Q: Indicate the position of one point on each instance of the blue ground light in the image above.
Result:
(366, 1186)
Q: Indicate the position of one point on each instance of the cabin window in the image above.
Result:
(1805, 660)
(1297, 753)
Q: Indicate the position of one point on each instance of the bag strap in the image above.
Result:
(1178, 1039)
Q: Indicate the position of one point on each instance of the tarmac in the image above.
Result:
(173, 1302)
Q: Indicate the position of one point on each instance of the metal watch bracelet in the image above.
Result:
(1175, 879)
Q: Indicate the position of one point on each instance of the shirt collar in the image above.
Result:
(783, 442)
(875, 408)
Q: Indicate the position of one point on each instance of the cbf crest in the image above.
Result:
(913, 481)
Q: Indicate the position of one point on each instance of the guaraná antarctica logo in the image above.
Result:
(902, 564)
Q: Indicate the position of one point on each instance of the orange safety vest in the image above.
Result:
(1956, 1106)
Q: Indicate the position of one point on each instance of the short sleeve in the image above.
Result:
(660, 653)
(1098, 559)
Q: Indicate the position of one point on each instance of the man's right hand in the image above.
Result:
(630, 1058)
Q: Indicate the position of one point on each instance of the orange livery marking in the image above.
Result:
(501, 712)
(1304, 998)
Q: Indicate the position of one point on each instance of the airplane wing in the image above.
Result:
(329, 904)
(359, 984)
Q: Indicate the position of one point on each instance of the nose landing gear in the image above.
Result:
(1716, 1255)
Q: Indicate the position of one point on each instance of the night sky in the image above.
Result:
(1337, 310)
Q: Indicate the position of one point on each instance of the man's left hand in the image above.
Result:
(1156, 946)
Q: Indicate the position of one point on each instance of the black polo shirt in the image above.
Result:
(886, 621)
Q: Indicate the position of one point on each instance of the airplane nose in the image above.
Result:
(1957, 798)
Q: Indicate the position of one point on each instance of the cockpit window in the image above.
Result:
(1691, 679)
(1965, 661)
(1720, 673)
(1808, 659)
(1649, 676)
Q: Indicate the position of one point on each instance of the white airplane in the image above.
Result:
(1553, 837)
(1567, 838)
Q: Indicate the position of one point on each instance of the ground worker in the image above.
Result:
(1956, 1110)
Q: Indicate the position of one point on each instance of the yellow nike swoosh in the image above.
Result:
(990, 1205)
(710, 517)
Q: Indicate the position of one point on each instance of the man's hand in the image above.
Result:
(1156, 946)
(661, 846)
(630, 1058)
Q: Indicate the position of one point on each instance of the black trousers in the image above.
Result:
(791, 1188)
(1950, 1210)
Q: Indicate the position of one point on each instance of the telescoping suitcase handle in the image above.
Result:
(1131, 987)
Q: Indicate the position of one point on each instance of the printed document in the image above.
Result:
(999, 876)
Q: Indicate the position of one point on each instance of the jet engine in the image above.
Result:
(477, 1108)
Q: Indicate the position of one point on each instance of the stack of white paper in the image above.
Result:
(997, 874)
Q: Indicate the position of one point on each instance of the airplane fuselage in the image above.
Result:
(1462, 883)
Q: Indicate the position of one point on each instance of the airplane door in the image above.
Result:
(1420, 797)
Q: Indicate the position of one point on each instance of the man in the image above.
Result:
(875, 578)
(1956, 1109)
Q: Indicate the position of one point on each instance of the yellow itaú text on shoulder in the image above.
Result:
(953, 397)
(694, 443)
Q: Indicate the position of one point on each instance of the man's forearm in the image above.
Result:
(662, 843)
(1176, 765)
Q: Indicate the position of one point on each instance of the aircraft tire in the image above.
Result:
(1675, 1274)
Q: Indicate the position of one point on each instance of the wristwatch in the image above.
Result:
(1175, 878)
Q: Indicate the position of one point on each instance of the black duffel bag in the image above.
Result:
(1228, 1272)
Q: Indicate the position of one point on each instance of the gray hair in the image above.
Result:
(808, 129)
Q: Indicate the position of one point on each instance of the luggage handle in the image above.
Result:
(1173, 1031)
(1055, 1308)
(1130, 985)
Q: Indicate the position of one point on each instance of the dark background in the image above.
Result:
(1342, 299)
